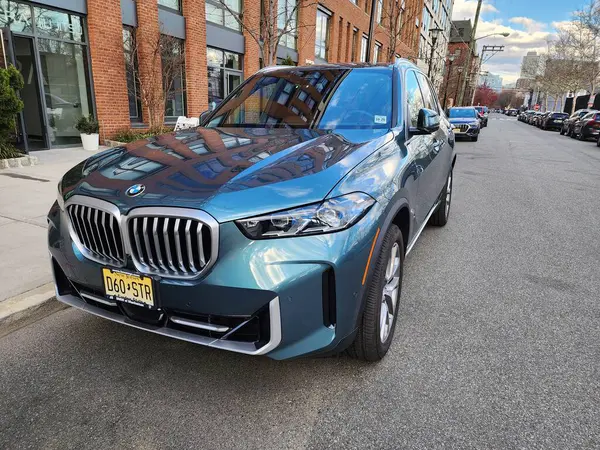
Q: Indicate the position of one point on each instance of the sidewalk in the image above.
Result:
(26, 195)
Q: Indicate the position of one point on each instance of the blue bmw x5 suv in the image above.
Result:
(279, 227)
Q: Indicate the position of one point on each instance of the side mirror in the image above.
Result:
(428, 122)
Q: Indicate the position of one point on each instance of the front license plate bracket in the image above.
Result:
(128, 287)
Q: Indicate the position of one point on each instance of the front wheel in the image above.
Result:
(440, 216)
(378, 321)
(475, 138)
(562, 131)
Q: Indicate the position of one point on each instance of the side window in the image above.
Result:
(428, 96)
(588, 116)
(413, 98)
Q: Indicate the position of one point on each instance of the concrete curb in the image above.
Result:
(24, 161)
(29, 307)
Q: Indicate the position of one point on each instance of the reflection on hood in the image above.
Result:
(198, 163)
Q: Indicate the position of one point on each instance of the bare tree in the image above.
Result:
(278, 22)
(397, 19)
(156, 72)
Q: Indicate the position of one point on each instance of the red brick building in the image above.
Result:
(456, 61)
(72, 53)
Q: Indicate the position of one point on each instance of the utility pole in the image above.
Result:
(372, 26)
(467, 69)
(493, 49)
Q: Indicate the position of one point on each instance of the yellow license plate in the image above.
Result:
(128, 287)
(456, 130)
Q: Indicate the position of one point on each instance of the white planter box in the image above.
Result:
(90, 142)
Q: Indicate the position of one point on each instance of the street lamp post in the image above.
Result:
(434, 37)
(449, 76)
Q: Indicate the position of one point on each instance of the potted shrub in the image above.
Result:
(88, 128)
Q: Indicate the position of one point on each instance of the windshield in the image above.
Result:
(559, 115)
(456, 113)
(326, 99)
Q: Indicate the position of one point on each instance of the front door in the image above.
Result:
(33, 119)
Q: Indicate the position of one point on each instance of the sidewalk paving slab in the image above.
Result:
(26, 195)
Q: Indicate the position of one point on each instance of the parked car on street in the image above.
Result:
(483, 113)
(522, 117)
(512, 112)
(465, 122)
(540, 119)
(278, 227)
(553, 121)
(567, 127)
(587, 127)
(534, 118)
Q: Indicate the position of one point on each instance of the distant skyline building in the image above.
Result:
(532, 65)
(491, 80)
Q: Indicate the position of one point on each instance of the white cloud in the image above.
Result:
(526, 34)
(530, 25)
(465, 9)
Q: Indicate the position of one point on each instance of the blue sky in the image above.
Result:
(531, 23)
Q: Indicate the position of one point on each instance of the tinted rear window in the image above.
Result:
(560, 115)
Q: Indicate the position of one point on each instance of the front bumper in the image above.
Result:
(280, 297)
(472, 131)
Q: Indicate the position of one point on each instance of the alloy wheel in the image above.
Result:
(389, 298)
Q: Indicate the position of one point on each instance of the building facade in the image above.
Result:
(81, 57)
(532, 65)
(456, 65)
(434, 37)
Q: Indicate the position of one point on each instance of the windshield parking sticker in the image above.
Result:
(381, 119)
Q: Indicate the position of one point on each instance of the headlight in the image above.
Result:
(332, 215)
(59, 197)
(474, 124)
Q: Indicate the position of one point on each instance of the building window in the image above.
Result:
(379, 11)
(363, 48)
(217, 13)
(224, 74)
(376, 52)
(173, 4)
(354, 44)
(322, 34)
(354, 2)
(173, 67)
(287, 20)
(131, 74)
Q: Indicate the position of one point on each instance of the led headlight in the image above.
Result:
(332, 215)
(59, 197)
(474, 124)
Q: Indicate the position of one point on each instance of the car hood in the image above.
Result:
(228, 172)
(459, 120)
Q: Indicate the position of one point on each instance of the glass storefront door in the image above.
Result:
(65, 73)
(51, 50)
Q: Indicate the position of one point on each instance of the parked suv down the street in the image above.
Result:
(483, 113)
(278, 228)
(553, 121)
(465, 122)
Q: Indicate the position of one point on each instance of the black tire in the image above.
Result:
(598, 142)
(580, 136)
(569, 132)
(440, 217)
(367, 344)
(562, 131)
(475, 138)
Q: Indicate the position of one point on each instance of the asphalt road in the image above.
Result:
(497, 345)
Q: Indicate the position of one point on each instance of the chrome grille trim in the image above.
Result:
(89, 220)
(172, 241)
(104, 235)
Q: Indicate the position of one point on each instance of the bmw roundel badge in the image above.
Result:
(135, 190)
